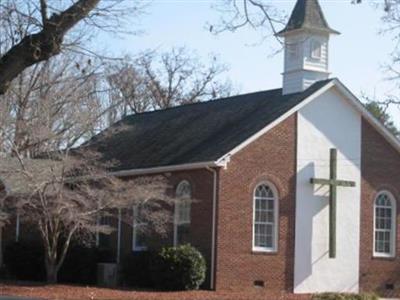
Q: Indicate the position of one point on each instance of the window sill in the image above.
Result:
(139, 249)
(264, 252)
(383, 257)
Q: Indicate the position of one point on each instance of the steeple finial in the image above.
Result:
(307, 14)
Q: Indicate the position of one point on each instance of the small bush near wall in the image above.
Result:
(178, 268)
(135, 269)
(334, 296)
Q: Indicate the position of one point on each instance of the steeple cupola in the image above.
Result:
(306, 38)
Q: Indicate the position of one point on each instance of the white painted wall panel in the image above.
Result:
(327, 122)
(301, 80)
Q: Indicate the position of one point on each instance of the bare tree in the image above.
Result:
(262, 16)
(162, 80)
(52, 105)
(259, 15)
(34, 30)
(63, 195)
(127, 90)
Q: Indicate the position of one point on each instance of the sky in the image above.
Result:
(357, 57)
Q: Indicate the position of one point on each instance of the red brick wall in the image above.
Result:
(201, 214)
(380, 167)
(272, 157)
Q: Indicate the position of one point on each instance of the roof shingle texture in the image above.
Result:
(307, 14)
(199, 132)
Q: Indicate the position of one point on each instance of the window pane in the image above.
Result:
(269, 241)
(264, 217)
(183, 232)
(184, 190)
(270, 204)
(139, 228)
(263, 241)
(263, 204)
(140, 238)
(383, 224)
(270, 217)
(182, 212)
(269, 230)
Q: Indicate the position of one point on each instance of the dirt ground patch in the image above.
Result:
(71, 292)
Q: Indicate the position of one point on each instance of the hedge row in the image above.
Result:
(25, 261)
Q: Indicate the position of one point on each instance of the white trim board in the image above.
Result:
(164, 169)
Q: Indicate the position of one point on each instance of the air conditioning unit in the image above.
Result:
(107, 274)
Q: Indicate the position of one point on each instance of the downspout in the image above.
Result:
(213, 233)
(17, 225)
(119, 237)
(1, 226)
(1, 247)
(97, 230)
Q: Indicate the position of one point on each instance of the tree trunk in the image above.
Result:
(51, 272)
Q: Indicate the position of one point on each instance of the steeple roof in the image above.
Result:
(307, 14)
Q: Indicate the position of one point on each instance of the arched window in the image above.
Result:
(182, 212)
(265, 218)
(384, 224)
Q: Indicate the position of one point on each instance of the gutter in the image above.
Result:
(155, 170)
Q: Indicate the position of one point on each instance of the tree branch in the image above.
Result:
(41, 46)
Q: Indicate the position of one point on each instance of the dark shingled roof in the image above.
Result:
(307, 14)
(199, 132)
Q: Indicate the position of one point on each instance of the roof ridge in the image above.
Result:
(210, 101)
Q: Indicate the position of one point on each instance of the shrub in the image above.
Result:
(80, 265)
(335, 296)
(178, 268)
(25, 261)
(135, 269)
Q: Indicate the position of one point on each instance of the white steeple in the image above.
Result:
(306, 38)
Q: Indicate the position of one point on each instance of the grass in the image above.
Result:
(335, 296)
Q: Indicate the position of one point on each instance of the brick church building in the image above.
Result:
(296, 188)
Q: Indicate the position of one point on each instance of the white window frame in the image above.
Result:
(102, 220)
(177, 222)
(275, 231)
(314, 46)
(136, 225)
(394, 224)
